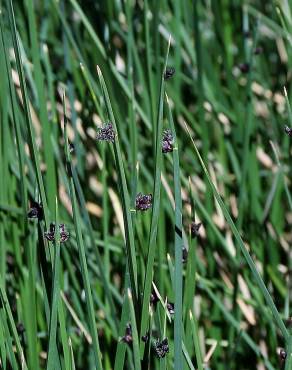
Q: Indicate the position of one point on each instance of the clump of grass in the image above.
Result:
(124, 244)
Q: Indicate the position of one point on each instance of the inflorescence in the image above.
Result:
(106, 133)
(169, 72)
(195, 227)
(143, 201)
(161, 348)
(35, 211)
(64, 234)
(167, 141)
(288, 130)
(127, 338)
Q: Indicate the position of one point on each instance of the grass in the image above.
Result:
(104, 298)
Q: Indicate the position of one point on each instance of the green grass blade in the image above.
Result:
(134, 333)
(52, 349)
(196, 341)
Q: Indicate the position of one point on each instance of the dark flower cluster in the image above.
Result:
(64, 234)
(154, 298)
(167, 141)
(20, 328)
(288, 130)
(195, 227)
(169, 72)
(283, 354)
(161, 348)
(106, 133)
(127, 338)
(143, 202)
(35, 211)
(184, 254)
(71, 147)
(258, 50)
(145, 337)
(170, 307)
(244, 67)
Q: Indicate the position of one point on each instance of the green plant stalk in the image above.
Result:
(64, 334)
(155, 213)
(72, 362)
(121, 347)
(82, 256)
(135, 336)
(195, 332)
(129, 232)
(52, 348)
(178, 246)
(187, 357)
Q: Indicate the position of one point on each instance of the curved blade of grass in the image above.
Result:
(155, 212)
(187, 357)
(244, 251)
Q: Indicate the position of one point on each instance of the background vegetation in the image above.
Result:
(70, 67)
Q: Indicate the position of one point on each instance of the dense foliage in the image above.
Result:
(145, 206)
